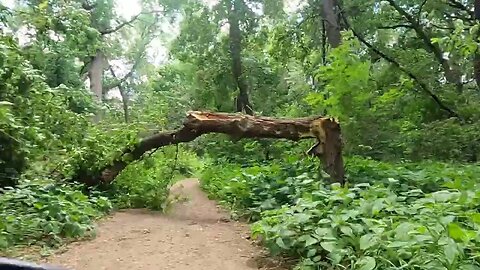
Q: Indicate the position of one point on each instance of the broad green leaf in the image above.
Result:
(451, 251)
(310, 241)
(5, 103)
(456, 232)
(280, 243)
(346, 230)
(476, 218)
(404, 229)
(328, 246)
(366, 263)
(323, 232)
(469, 267)
(443, 196)
(366, 241)
(311, 252)
(447, 220)
(398, 244)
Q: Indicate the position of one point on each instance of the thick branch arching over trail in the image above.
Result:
(326, 130)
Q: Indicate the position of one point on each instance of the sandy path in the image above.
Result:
(194, 235)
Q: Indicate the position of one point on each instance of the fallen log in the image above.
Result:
(325, 130)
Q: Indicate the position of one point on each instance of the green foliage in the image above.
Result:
(448, 139)
(146, 183)
(254, 189)
(427, 175)
(390, 216)
(44, 213)
(143, 185)
(98, 148)
(33, 117)
(347, 71)
(373, 225)
(398, 214)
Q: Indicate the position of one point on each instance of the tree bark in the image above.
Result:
(123, 94)
(325, 130)
(332, 22)
(95, 74)
(476, 60)
(235, 35)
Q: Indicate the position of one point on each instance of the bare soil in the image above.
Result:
(195, 234)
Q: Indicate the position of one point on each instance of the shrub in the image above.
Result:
(389, 216)
(41, 212)
(374, 227)
(146, 183)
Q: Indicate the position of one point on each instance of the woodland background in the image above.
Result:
(79, 83)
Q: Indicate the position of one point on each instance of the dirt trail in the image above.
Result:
(194, 235)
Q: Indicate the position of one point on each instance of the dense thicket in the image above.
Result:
(80, 83)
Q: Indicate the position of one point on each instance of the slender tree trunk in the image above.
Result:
(235, 34)
(332, 22)
(476, 60)
(95, 74)
(124, 95)
(324, 43)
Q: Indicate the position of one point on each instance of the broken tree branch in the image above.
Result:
(325, 130)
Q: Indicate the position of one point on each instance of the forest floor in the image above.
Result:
(194, 234)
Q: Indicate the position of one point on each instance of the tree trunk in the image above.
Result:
(332, 22)
(324, 43)
(476, 60)
(235, 34)
(325, 130)
(123, 94)
(95, 74)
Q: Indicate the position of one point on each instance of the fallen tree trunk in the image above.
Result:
(326, 130)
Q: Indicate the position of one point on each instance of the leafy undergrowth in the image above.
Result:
(390, 216)
(47, 214)
(146, 183)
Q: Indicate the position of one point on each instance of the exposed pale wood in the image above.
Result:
(197, 123)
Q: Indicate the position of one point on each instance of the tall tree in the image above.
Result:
(331, 23)
(476, 61)
(234, 8)
(110, 26)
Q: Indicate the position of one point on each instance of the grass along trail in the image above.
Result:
(194, 234)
